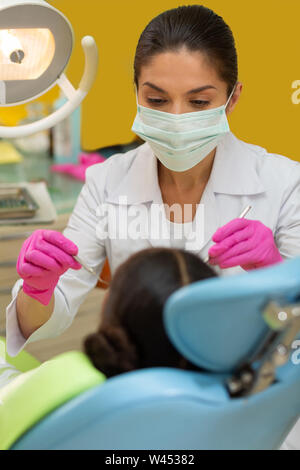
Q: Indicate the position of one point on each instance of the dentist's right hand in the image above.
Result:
(45, 256)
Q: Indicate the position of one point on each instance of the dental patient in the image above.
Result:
(132, 335)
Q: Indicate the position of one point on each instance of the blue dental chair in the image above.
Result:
(241, 331)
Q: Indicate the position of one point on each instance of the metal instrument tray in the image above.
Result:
(16, 203)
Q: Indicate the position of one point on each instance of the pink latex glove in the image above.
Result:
(246, 243)
(78, 171)
(44, 257)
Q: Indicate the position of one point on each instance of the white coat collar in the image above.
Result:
(140, 183)
(234, 172)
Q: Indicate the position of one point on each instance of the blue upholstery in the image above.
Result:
(217, 323)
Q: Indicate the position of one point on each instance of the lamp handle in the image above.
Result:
(75, 97)
(91, 63)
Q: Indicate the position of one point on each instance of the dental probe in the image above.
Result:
(243, 214)
(87, 268)
(90, 270)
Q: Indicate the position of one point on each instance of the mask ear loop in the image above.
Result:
(136, 97)
(231, 95)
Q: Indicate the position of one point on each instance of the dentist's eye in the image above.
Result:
(156, 101)
(199, 103)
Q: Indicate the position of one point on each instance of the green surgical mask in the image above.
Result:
(181, 141)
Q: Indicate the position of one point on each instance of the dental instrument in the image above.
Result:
(243, 214)
(87, 268)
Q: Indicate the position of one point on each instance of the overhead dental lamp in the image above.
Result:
(36, 42)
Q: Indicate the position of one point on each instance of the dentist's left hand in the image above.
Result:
(45, 256)
(246, 243)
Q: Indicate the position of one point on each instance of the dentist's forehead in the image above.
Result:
(181, 72)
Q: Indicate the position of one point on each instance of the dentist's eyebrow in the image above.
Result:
(202, 88)
(155, 87)
(195, 90)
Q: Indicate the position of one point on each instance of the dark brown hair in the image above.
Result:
(132, 335)
(196, 28)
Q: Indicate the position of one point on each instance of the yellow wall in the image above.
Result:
(266, 33)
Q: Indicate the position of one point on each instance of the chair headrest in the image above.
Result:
(217, 323)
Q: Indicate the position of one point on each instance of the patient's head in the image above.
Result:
(132, 334)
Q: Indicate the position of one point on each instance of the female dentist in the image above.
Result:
(186, 76)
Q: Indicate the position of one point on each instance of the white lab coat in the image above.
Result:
(242, 175)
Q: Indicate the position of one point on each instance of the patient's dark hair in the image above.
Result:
(132, 335)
